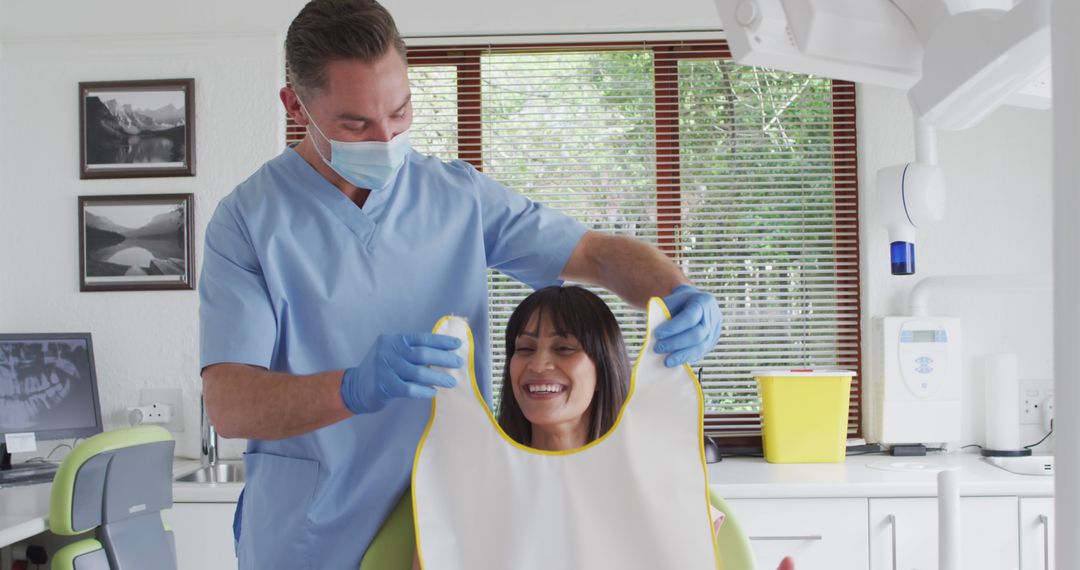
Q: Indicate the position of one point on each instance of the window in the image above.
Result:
(746, 176)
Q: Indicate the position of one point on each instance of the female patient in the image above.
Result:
(567, 373)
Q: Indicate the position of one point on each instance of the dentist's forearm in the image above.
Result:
(250, 402)
(632, 269)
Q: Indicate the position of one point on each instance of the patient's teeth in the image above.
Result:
(546, 388)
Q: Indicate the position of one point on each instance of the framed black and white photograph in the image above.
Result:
(137, 129)
(136, 242)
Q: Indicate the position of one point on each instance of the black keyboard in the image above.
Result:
(28, 475)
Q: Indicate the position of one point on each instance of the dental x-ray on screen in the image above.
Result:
(47, 385)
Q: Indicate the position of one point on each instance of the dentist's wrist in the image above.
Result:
(350, 393)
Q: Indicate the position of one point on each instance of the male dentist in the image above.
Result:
(324, 270)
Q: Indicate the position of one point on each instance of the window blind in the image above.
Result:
(745, 176)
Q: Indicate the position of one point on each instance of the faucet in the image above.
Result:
(209, 437)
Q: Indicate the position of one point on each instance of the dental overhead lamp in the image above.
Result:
(958, 60)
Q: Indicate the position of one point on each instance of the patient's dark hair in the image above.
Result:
(577, 312)
(330, 30)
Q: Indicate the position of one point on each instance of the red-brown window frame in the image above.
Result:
(667, 55)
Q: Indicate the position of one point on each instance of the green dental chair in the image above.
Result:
(735, 553)
(394, 547)
(115, 484)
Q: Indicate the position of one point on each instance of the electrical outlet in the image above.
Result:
(1029, 410)
(158, 414)
(174, 398)
(1034, 395)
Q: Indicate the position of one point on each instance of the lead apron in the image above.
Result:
(636, 498)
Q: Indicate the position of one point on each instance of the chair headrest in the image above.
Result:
(112, 476)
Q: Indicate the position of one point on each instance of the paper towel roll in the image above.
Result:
(1002, 402)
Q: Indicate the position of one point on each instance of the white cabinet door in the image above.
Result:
(817, 533)
(1037, 534)
(203, 534)
(904, 533)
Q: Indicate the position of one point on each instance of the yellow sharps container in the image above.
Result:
(804, 414)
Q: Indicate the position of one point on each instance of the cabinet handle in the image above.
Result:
(892, 525)
(1045, 522)
(805, 537)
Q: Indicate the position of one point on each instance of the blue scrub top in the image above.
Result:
(296, 278)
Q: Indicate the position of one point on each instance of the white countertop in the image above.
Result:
(870, 476)
(24, 510)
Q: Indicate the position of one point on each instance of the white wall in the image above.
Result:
(998, 176)
(145, 339)
(3, 11)
(998, 173)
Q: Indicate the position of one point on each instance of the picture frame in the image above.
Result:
(136, 242)
(137, 129)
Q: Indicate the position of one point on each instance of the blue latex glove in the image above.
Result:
(693, 329)
(397, 367)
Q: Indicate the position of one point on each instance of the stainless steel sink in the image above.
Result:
(212, 470)
(220, 472)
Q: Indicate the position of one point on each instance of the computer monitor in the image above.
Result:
(48, 386)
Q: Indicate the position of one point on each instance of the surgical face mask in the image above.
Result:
(366, 164)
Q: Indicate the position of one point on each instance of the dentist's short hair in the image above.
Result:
(330, 30)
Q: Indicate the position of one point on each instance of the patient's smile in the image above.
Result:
(542, 390)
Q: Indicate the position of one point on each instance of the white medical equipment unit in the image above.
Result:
(915, 396)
